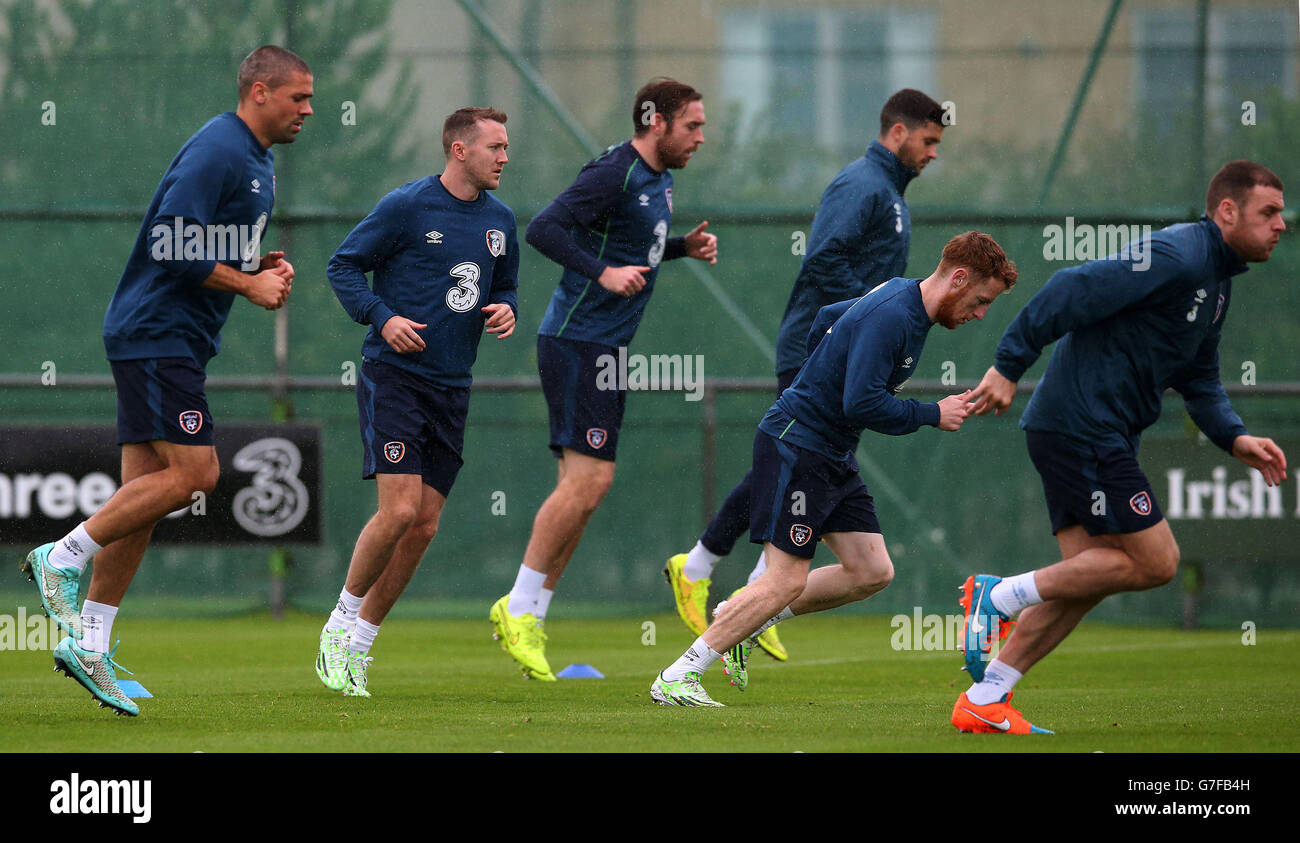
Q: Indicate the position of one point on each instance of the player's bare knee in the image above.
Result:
(400, 514)
(208, 478)
(1162, 569)
(188, 480)
(1157, 567)
(791, 587)
(871, 578)
(425, 530)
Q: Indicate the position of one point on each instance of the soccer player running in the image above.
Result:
(163, 325)
(806, 486)
(609, 230)
(445, 254)
(1126, 329)
(860, 238)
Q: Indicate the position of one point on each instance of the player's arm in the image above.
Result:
(1072, 298)
(502, 309)
(867, 403)
(268, 288)
(191, 197)
(838, 240)
(582, 205)
(367, 248)
(1208, 405)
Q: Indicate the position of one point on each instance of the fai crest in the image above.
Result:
(799, 534)
(668, 195)
(394, 451)
(496, 242)
(596, 437)
(191, 421)
(1141, 503)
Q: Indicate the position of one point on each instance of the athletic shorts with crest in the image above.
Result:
(161, 398)
(585, 413)
(799, 495)
(1101, 488)
(410, 426)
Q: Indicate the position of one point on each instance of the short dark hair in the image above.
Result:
(911, 108)
(462, 125)
(982, 255)
(270, 65)
(1234, 181)
(661, 95)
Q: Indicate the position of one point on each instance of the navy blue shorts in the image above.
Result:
(584, 417)
(798, 496)
(161, 398)
(410, 426)
(1103, 489)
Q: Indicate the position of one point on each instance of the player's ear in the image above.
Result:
(1228, 210)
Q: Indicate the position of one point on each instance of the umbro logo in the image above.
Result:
(257, 186)
(644, 200)
(907, 364)
(434, 237)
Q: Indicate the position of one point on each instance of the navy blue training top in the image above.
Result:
(849, 382)
(1127, 331)
(436, 260)
(617, 212)
(213, 204)
(860, 238)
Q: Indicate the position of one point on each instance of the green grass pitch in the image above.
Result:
(248, 685)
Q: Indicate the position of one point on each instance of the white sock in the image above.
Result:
(697, 659)
(528, 587)
(999, 679)
(363, 636)
(543, 603)
(700, 563)
(784, 615)
(1015, 593)
(759, 568)
(96, 626)
(345, 611)
(74, 550)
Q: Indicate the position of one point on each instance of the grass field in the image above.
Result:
(248, 685)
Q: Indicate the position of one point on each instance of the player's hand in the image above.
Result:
(270, 259)
(501, 321)
(701, 245)
(994, 392)
(1263, 454)
(400, 334)
(624, 280)
(270, 287)
(953, 410)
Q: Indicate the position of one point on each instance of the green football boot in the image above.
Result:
(332, 658)
(686, 691)
(523, 637)
(357, 664)
(58, 587)
(95, 672)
